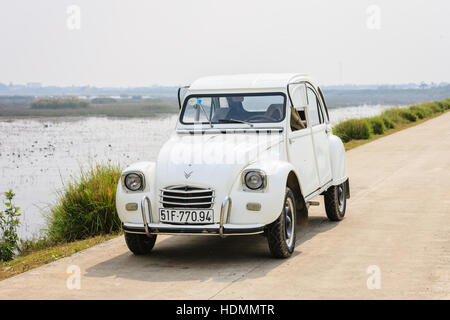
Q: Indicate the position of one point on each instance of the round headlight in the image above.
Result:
(254, 180)
(133, 181)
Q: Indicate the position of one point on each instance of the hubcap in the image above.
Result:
(341, 199)
(289, 222)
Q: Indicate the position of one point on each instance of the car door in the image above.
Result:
(317, 120)
(300, 148)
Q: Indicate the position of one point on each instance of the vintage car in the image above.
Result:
(248, 156)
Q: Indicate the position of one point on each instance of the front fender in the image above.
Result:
(123, 197)
(271, 199)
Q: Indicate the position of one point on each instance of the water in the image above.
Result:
(36, 155)
(340, 114)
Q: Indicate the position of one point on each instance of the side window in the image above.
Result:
(321, 115)
(324, 104)
(313, 109)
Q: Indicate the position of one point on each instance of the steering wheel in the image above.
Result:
(260, 116)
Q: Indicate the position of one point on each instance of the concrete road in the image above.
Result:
(395, 240)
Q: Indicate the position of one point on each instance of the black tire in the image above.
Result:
(281, 232)
(335, 202)
(139, 243)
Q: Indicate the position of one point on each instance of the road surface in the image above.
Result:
(394, 243)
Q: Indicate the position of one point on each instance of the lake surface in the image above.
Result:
(36, 155)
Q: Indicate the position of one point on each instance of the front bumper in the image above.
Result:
(222, 229)
(213, 229)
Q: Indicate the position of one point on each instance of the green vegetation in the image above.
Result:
(9, 223)
(388, 123)
(353, 129)
(377, 125)
(60, 103)
(15, 101)
(363, 129)
(87, 206)
(84, 215)
(408, 115)
(142, 108)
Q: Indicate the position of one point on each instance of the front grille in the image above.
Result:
(186, 197)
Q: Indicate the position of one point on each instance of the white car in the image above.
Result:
(248, 156)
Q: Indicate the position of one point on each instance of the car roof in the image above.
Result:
(247, 81)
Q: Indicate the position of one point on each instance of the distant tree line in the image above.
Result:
(60, 103)
(103, 100)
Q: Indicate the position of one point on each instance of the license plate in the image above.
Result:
(186, 216)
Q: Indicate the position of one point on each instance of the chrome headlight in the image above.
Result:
(254, 180)
(134, 181)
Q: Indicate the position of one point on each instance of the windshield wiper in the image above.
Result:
(236, 121)
(206, 114)
(207, 117)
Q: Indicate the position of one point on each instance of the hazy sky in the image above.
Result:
(133, 43)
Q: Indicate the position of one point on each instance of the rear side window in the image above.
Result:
(324, 104)
(313, 109)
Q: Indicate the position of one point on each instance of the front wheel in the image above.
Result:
(281, 232)
(139, 243)
(335, 202)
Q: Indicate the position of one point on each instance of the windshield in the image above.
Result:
(245, 108)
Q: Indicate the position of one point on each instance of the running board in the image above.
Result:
(312, 203)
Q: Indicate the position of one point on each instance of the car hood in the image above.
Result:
(213, 160)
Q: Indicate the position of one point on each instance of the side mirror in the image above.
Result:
(298, 95)
(181, 95)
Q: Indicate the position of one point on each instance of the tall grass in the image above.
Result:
(353, 129)
(377, 125)
(356, 129)
(86, 207)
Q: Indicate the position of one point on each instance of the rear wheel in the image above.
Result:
(335, 202)
(281, 232)
(140, 243)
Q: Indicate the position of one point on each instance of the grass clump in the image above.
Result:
(445, 104)
(419, 111)
(408, 115)
(377, 125)
(393, 114)
(86, 206)
(353, 129)
(388, 123)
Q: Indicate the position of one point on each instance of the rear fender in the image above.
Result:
(337, 160)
